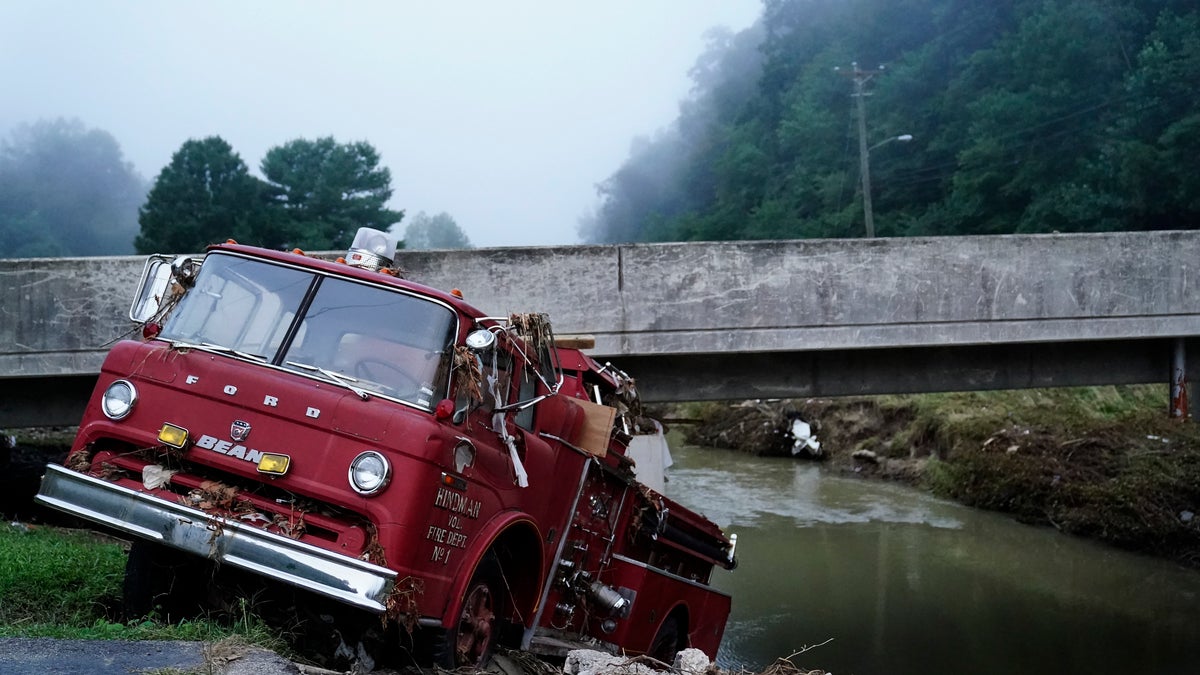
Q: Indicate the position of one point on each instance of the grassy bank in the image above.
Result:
(1105, 463)
(67, 584)
(1101, 462)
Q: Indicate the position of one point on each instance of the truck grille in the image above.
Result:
(248, 502)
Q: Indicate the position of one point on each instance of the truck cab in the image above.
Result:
(335, 428)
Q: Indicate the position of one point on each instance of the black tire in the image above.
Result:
(164, 581)
(472, 641)
(665, 644)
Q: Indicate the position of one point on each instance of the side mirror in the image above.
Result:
(156, 279)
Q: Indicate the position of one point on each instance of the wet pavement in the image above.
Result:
(20, 656)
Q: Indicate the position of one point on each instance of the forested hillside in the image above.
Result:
(1025, 116)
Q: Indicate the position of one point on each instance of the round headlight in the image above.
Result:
(369, 472)
(118, 399)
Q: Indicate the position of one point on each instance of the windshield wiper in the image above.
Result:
(220, 349)
(343, 380)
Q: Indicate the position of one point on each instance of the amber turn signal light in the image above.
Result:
(172, 435)
(274, 464)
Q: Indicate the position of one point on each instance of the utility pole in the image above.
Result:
(861, 77)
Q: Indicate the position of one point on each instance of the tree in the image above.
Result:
(439, 231)
(1156, 137)
(326, 191)
(205, 195)
(66, 190)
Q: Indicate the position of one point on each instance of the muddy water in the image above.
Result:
(903, 583)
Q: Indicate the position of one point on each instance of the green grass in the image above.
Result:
(52, 577)
(964, 418)
(65, 583)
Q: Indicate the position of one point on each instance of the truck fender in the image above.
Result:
(671, 635)
(515, 541)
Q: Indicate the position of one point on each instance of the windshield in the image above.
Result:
(380, 340)
(373, 339)
(239, 304)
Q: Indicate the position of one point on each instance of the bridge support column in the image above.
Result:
(1184, 371)
(1179, 396)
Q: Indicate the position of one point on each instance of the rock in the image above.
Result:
(865, 456)
(692, 661)
(589, 662)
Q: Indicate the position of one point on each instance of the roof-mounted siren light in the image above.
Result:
(371, 249)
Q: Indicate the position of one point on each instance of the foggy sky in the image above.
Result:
(503, 114)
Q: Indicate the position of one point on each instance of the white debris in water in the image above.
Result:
(804, 438)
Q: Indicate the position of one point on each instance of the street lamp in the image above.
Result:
(865, 169)
(903, 138)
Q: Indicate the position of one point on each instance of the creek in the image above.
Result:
(900, 582)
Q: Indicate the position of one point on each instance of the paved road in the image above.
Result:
(22, 656)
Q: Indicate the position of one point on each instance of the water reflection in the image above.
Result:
(747, 491)
(905, 583)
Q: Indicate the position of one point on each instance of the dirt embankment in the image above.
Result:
(24, 455)
(1105, 463)
(855, 435)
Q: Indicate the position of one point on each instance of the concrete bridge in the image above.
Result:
(709, 321)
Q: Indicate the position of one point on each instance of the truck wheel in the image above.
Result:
(665, 645)
(472, 641)
(163, 579)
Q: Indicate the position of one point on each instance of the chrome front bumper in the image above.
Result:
(349, 580)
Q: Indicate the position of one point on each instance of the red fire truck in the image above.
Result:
(334, 427)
